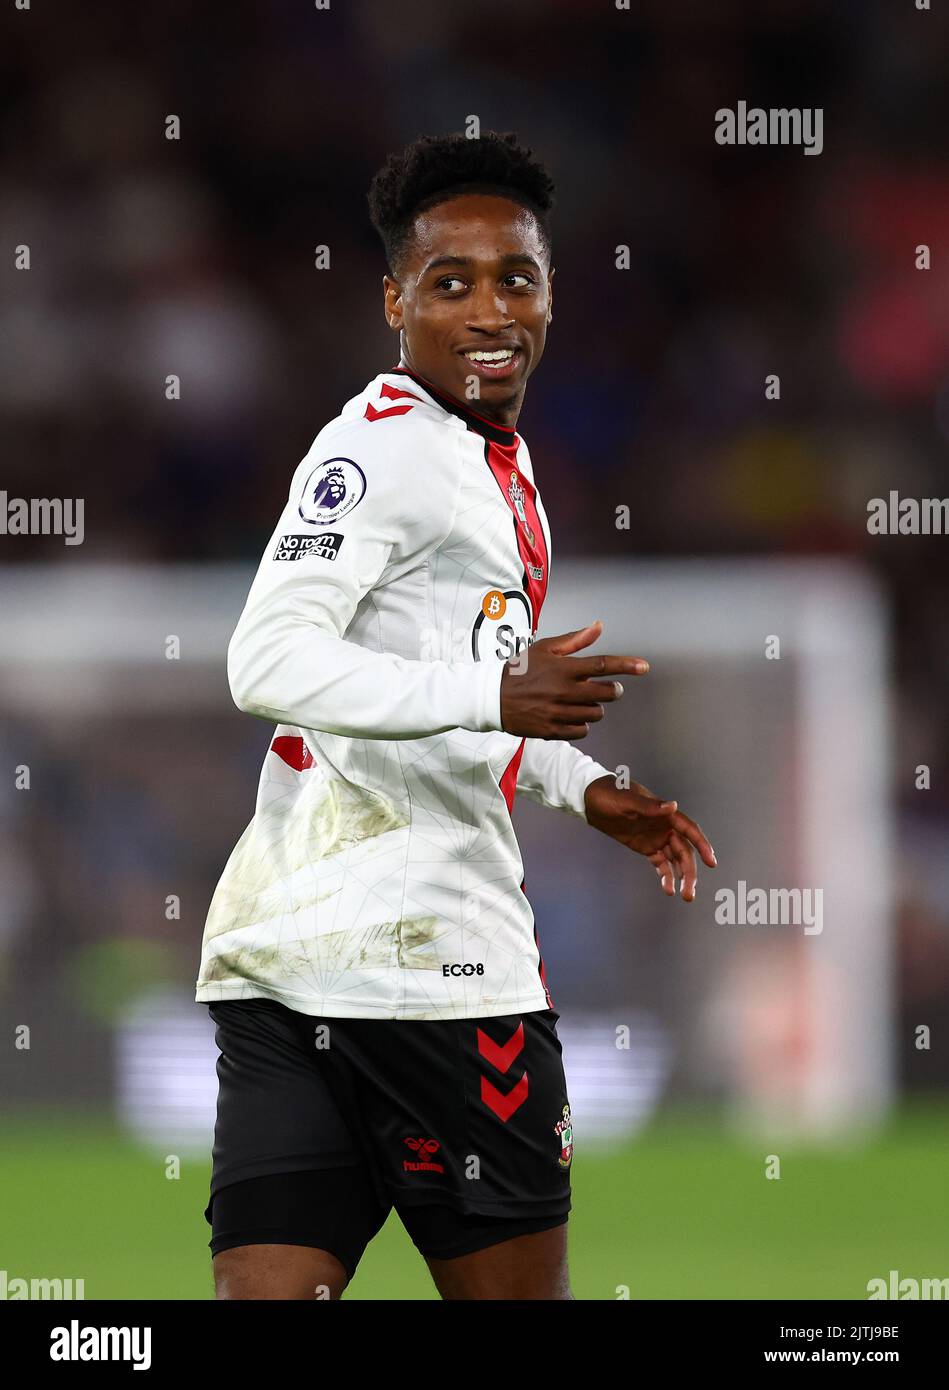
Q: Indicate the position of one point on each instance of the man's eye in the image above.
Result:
(519, 275)
(447, 281)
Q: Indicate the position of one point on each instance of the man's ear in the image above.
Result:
(550, 294)
(393, 302)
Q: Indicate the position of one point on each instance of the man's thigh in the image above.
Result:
(292, 1202)
(275, 1113)
(478, 1257)
(293, 1235)
(278, 1272)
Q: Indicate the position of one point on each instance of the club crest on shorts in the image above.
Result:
(516, 494)
(564, 1127)
(333, 488)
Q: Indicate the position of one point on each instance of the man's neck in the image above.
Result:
(504, 414)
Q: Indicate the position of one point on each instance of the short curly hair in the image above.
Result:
(436, 167)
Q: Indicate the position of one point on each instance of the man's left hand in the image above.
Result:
(654, 828)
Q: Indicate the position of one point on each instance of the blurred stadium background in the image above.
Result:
(748, 518)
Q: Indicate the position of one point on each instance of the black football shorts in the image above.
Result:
(325, 1124)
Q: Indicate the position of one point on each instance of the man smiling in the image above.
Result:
(370, 957)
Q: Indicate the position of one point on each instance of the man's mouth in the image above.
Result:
(496, 362)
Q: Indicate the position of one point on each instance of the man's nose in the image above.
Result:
(488, 309)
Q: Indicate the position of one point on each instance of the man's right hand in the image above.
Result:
(547, 692)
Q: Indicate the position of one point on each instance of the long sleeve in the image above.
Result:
(557, 774)
(356, 517)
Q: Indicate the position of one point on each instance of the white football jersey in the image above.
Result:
(380, 876)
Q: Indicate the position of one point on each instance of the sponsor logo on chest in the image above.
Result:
(503, 627)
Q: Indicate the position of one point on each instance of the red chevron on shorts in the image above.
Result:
(504, 1106)
(501, 1057)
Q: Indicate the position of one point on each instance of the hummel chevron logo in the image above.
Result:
(393, 394)
(504, 1106)
(501, 1057)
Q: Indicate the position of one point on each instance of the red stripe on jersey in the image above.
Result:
(508, 787)
(543, 972)
(508, 782)
(294, 752)
(531, 545)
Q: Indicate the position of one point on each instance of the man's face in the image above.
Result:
(474, 280)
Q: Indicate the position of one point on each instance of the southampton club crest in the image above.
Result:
(564, 1127)
(516, 494)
